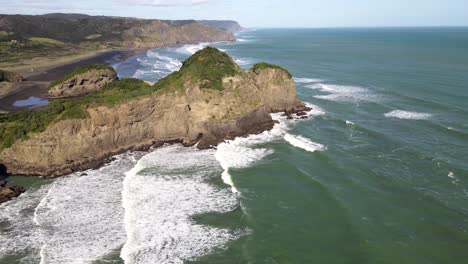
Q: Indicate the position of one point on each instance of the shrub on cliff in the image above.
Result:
(208, 66)
(17, 126)
(264, 65)
(81, 70)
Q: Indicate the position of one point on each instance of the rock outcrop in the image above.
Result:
(11, 77)
(186, 107)
(8, 192)
(83, 81)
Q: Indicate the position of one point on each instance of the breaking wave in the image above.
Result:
(160, 194)
(77, 219)
(304, 143)
(191, 48)
(242, 152)
(307, 80)
(400, 114)
(342, 93)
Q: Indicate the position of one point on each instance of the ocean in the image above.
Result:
(377, 174)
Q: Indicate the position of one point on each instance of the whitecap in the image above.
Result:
(342, 93)
(304, 143)
(401, 114)
(244, 62)
(350, 123)
(190, 49)
(307, 80)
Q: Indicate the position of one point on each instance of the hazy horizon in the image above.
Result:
(266, 14)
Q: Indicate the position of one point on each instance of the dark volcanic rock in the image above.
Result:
(254, 123)
(8, 192)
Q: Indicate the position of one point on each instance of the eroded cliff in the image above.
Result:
(209, 100)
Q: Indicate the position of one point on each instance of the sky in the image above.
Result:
(265, 13)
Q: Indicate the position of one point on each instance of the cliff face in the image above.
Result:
(113, 31)
(226, 25)
(189, 115)
(35, 39)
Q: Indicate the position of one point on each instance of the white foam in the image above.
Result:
(191, 48)
(243, 152)
(408, 115)
(77, 219)
(160, 194)
(166, 62)
(307, 80)
(21, 235)
(244, 62)
(451, 175)
(342, 93)
(304, 143)
(139, 73)
(83, 216)
(350, 123)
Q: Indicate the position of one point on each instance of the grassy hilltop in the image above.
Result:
(206, 68)
(26, 41)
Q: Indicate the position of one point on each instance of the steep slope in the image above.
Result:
(209, 100)
(82, 81)
(226, 25)
(24, 38)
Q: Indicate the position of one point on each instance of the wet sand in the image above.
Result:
(37, 82)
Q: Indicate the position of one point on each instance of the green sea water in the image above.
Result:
(388, 189)
(380, 175)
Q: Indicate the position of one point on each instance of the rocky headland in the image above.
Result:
(210, 99)
(28, 43)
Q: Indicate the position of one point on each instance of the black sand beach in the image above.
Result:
(36, 84)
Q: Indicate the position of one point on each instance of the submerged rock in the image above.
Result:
(8, 192)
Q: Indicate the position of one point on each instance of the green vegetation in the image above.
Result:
(208, 66)
(47, 40)
(93, 36)
(264, 65)
(18, 126)
(81, 70)
(5, 33)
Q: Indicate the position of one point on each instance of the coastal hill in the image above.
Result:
(208, 100)
(226, 25)
(27, 40)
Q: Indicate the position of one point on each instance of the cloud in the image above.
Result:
(165, 2)
(35, 4)
(40, 6)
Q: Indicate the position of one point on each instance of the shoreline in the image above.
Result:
(36, 83)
